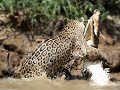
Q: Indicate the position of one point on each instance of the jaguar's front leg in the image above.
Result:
(86, 74)
(68, 75)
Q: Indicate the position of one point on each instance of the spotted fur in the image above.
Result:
(53, 54)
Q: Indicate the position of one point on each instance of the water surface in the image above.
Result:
(59, 84)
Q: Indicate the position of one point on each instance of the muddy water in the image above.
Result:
(59, 84)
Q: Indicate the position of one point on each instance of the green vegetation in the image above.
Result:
(45, 11)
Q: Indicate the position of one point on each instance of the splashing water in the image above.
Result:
(99, 75)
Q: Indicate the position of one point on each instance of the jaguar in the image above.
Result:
(54, 53)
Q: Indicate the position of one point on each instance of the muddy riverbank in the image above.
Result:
(19, 44)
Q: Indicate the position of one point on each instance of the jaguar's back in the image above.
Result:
(54, 53)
